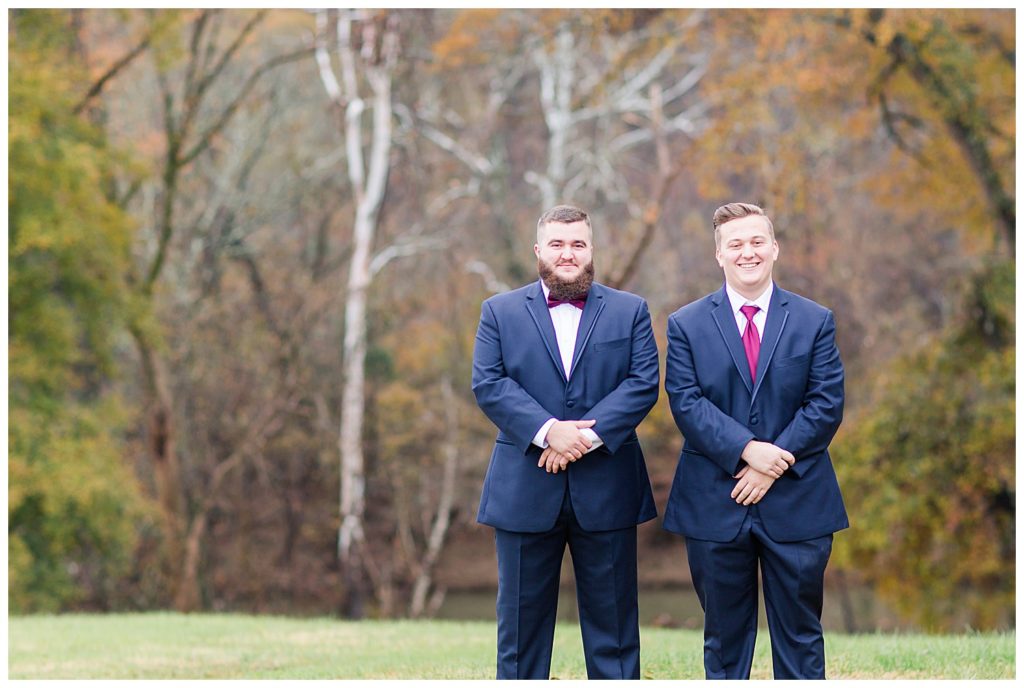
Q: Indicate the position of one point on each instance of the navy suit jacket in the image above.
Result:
(795, 403)
(519, 384)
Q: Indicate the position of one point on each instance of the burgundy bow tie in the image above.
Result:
(579, 301)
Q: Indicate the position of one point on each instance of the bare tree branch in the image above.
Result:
(205, 138)
(475, 162)
(667, 172)
(491, 281)
(409, 248)
(112, 71)
(225, 57)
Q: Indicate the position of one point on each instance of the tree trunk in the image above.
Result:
(350, 442)
(162, 453)
(188, 597)
(268, 421)
(845, 602)
(556, 85)
(368, 187)
(442, 520)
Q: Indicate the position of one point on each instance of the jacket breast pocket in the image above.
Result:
(611, 344)
(791, 360)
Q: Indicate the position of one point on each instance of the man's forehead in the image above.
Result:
(749, 225)
(553, 231)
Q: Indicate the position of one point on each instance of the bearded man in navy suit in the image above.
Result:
(755, 385)
(566, 368)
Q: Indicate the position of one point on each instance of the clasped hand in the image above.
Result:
(565, 444)
(765, 464)
(766, 458)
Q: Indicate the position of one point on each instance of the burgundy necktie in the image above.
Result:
(751, 342)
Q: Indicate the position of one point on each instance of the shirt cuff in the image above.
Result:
(594, 439)
(540, 439)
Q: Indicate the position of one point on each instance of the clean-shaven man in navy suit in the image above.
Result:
(756, 386)
(566, 368)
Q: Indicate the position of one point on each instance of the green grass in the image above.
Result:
(219, 646)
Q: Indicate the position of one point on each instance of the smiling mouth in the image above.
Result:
(748, 266)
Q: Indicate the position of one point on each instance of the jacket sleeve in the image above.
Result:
(517, 414)
(622, 409)
(707, 428)
(811, 430)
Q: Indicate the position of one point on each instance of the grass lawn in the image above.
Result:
(223, 646)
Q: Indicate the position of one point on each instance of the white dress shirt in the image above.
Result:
(737, 301)
(566, 319)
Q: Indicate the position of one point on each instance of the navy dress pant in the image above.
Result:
(725, 576)
(604, 563)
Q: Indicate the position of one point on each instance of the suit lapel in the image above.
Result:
(773, 326)
(538, 309)
(591, 311)
(726, 322)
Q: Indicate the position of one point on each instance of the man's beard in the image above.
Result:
(566, 289)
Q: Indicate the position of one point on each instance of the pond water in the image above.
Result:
(678, 607)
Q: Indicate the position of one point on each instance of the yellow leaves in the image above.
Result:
(87, 469)
(860, 124)
(459, 47)
(73, 501)
(884, 31)
(453, 51)
(20, 475)
(19, 566)
(166, 45)
(41, 360)
(423, 346)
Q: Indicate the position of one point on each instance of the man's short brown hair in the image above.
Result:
(734, 211)
(564, 214)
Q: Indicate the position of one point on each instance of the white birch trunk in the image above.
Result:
(556, 84)
(368, 187)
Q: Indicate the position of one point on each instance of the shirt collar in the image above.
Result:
(737, 301)
(545, 289)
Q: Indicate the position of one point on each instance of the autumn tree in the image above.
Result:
(959, 64)
(74, 506)
(927, 470)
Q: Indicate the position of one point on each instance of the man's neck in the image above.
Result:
(749, 294)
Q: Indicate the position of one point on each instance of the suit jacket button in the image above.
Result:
(754, 420)
(570, 403)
